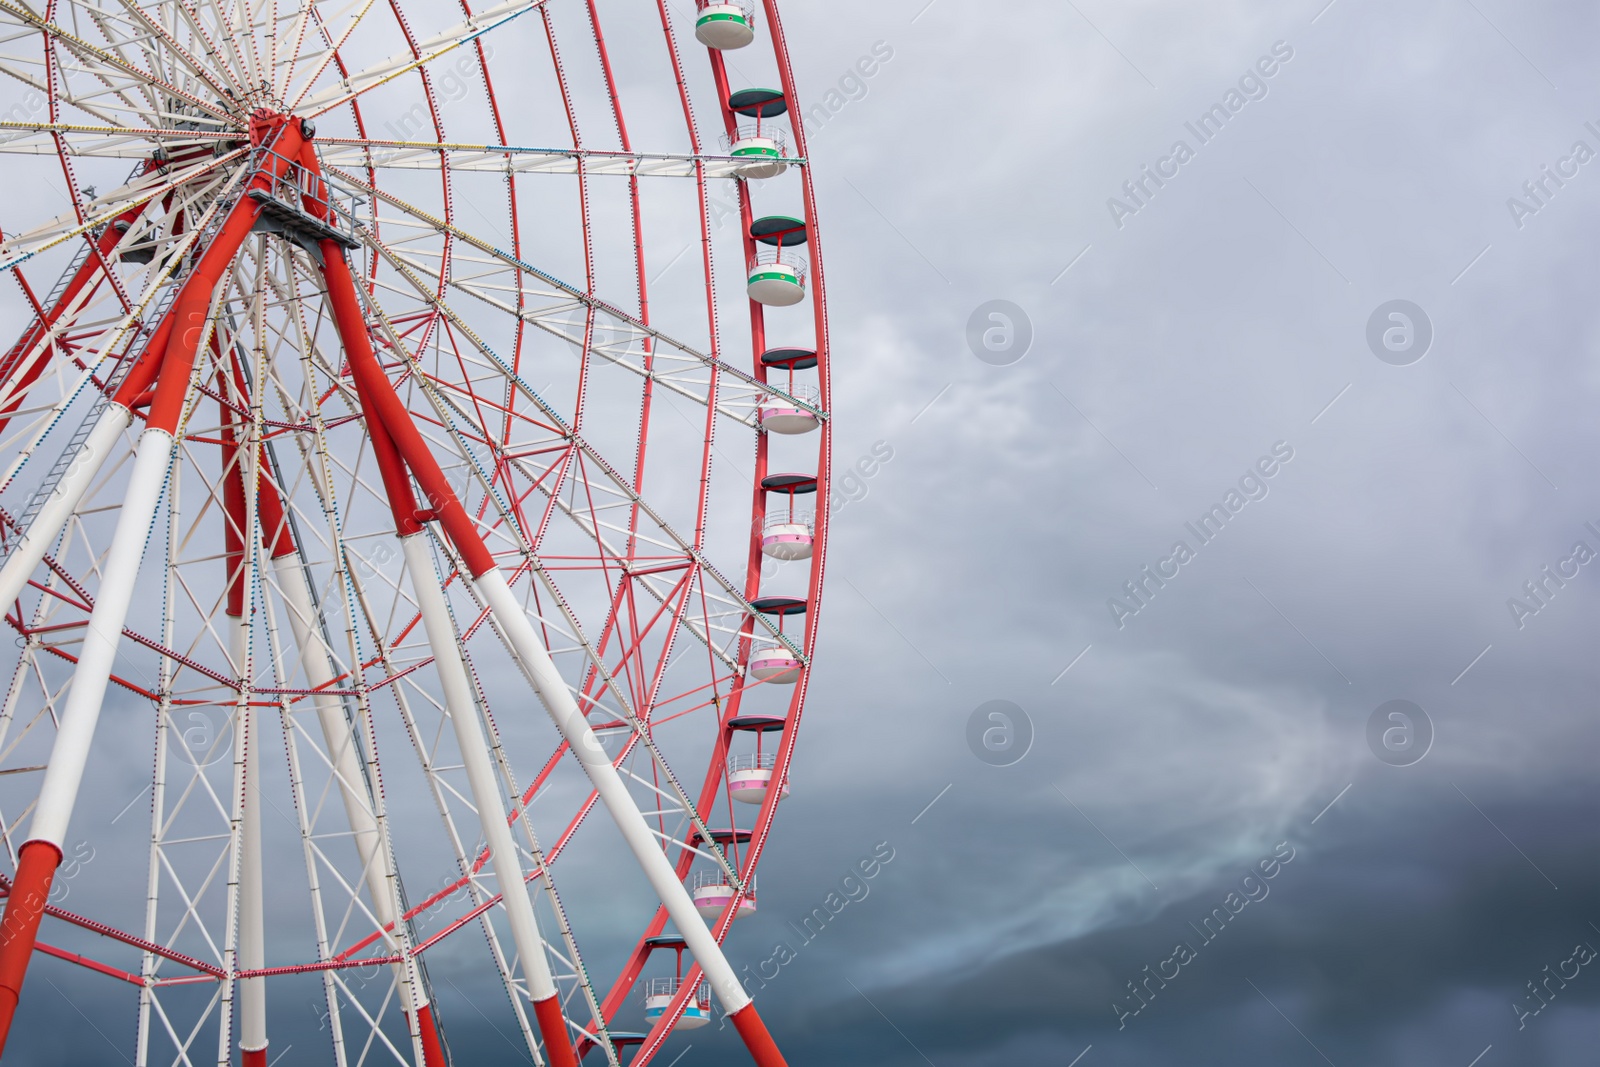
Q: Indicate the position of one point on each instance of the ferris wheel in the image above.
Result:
(406, 402)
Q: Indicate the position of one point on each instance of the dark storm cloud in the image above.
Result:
(1363, 936)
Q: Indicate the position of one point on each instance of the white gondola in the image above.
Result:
(658, 994)
(759, 149)
(775, 665)
(723, 25)
(711, 893)
(787, 537)
(779, 414)
(750, 776)
(777, 278)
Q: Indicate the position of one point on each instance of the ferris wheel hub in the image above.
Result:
(266, 122)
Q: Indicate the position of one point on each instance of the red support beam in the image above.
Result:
(270, 513)
(85, 961)
(28, 358)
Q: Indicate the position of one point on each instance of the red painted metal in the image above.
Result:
(286, 144)
(85, 961)
(396, 440)
(385, 412)
(396, 482)
(28, 358)
(756, 1038)
(145, 368)
(36, 865)
(270, 513)
(553, 1026)
(234, 511)
(114, 934)
(170, 376)
(432, 1048)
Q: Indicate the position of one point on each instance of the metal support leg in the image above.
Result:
(70, 754)
(486, 794)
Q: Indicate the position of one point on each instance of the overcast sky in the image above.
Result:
(1187, 338)
(1182, 343)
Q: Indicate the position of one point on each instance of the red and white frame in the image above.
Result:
(329, 458)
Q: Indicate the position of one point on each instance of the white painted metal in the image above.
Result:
(252, 912)
(563, 709)
(52, 518)
(479, 766)
(70, 753)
